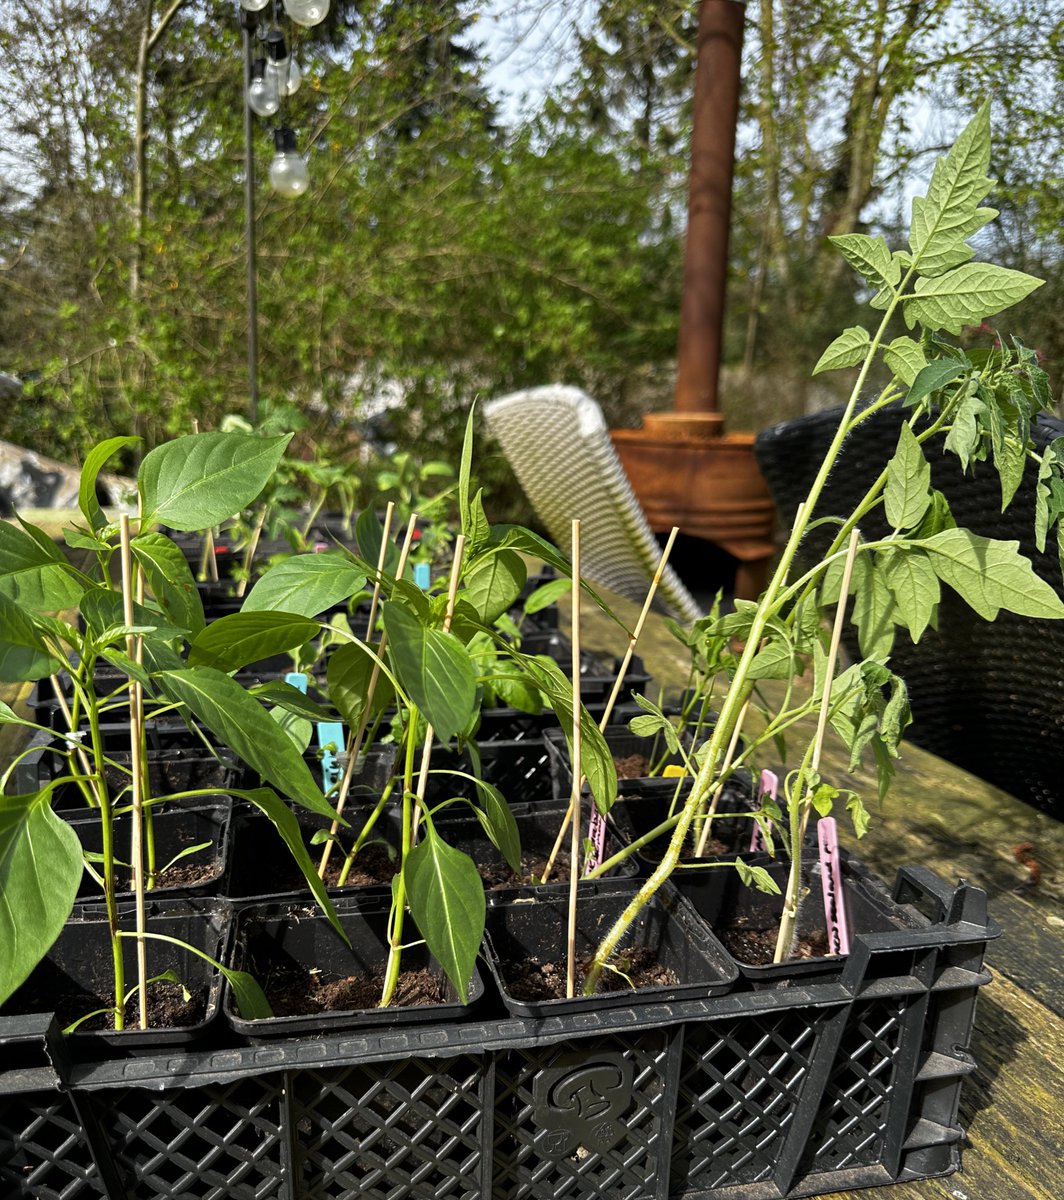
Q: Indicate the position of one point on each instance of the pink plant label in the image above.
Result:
(831, 882)
(596, 835)
(770, 785)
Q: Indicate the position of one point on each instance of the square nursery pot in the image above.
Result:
(262, 867)
(279, 943)
(818, 1088)
(75, 977)
(597, 676)
(746, 919)
(537, 828)
(531, 930)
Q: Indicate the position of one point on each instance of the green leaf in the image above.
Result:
(915, 588)
(245, 637)
(433, 669)
(40, 870)
(8, 716)
(991, 575)
(858, 814)
(932, 377)
(757, 877)
(35, 573)
(250, 999)
(291, 699)
(199, 480)
(348, 675)
(494, 584)
(446, 896)
(465, 511)
(23, 653)
(480, 530)
(966, 295)
(306, 584)
(870, 257)
(369, 533)
(171, 580)
(823, 797)
(965, 435)
(495, 817)
(95, 461)
(873, 608)
(950, 211)
(287, 825)
(245, 726)
(596, 760)
(905, 357)
(775, 660)
(102, 610)
(847, 350)
(547, 594)
(298, 728)
(907, 494)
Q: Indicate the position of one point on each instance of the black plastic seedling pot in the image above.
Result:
(292, 940)
(815, 1088)
(531, 929)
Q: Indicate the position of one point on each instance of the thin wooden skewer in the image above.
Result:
(790, 901)
(355, 743)
(249, 554)
(208, 567)
(633, 638)
(79, 750)
(729, 754)
(426, 749)
(137, 848)
(574, 800)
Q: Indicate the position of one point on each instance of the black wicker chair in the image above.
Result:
(988, 698)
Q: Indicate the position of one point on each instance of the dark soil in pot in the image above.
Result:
(527, 933)
(292, 950)
(75, 977)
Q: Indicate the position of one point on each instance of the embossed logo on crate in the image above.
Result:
(581, 1105)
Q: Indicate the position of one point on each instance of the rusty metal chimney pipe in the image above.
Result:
(716, 108)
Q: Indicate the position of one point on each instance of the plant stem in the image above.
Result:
(742, 684)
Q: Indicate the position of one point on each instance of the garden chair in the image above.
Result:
(560, 449)
(989, 699)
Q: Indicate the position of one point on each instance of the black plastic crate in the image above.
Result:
(797, 1091)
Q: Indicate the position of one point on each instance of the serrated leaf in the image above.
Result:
(915, 588)
(773, 661)
(847, 350)
(870, 257)
(40, 870)
(906, 496)
(991, 575)
(873, 608)
(959, 182)
(963, 438)
(446, 896)
(905, 357)
(966, 296)
(306, 585)
(932, 377)
(241, 638)
(170, 579)
(197, 481)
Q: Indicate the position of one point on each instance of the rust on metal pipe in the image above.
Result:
(716, 108)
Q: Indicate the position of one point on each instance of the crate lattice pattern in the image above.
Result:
(401, 1129)
(620, 1155)
(43, 1152)
(739, 1089)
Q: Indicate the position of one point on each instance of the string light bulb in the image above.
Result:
(281, 65)
(254, 5)
(307, 12)
(289, 176)
(263, 97)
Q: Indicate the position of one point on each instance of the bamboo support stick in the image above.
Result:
(788, 921)
(249, 553)
(633, 638)
(79, 750)
(574, 800)
(137, 837)
(355, 742)
(729, 754)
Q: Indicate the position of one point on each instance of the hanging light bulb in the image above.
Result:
(307, 12)
(281, 65)
(289, 176)
(263, 97)
(254, 5)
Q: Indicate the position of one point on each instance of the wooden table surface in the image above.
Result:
(939, 816)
